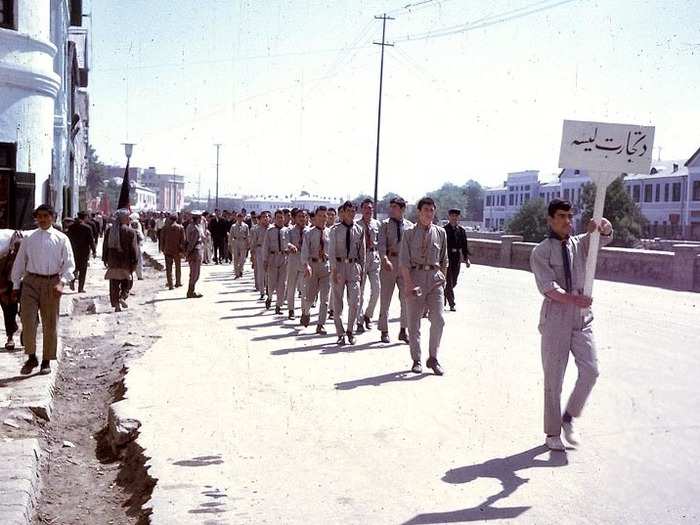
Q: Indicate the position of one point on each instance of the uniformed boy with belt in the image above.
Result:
(347, 255)
(295, 268)
(391, 232)
(317, 275)
(275, 251)
(238, 240)
(370, 229)
(257, 236)
(558, 264)
(423, 262)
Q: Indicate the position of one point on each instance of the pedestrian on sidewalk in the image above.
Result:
(82, 240)
(457, 253)
(331, 214)
(119, 254)
(173, 242)
(8, 302)
(370, 229)
(194, 247)
(317, 272)
(238, 240)
(139, 252)
(347, 257)
(559, 266)
(391, 234)
(295, 268)
(44, 264)
(257, 236)
(275, 254)
(423, 263)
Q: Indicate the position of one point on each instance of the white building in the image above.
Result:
(35, 98)
(145, 199)
(669, 196)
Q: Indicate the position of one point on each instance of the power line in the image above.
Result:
(384, 44)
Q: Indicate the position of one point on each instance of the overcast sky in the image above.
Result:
(290, 87)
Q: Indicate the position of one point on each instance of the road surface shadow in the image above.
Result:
(502, 469)
(6, 381)
(153, 301)
(380, 380)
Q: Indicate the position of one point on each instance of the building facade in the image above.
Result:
(669, 197)
(37, 117)
(168, 187)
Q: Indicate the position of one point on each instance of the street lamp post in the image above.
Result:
(217, 175)
(128, 149)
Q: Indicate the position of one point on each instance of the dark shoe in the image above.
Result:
(452, 308)
(320, 330)
(82, 290)
(360, 328)
(30, 364)
(194, 295)
(403, 336)
(10, 345)
(170, 287)
(278, 310)
(123, 304)
(417, 368)
(45, 368)
(368, 322)
(433, 363)
(117, 308)
(339, 342)
(351, 337)
(291, 315)
(262, 296)
(178, 285)
(305, 318)
(330, 315)
(72, 285)
(385, 337)
(268, 303)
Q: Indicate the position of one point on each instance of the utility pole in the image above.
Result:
(383, 43)
(217, 175)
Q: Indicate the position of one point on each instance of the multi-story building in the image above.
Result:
(669, 196)
(169, 188)
(39, 120)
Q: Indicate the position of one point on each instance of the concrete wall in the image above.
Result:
(678, 269)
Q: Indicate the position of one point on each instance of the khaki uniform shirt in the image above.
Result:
(338, 248)
(388, 240)
(311, 249)
(424, 247)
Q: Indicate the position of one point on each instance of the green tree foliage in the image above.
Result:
(95, 174)
(468, 198)
(530, 221)
(620, 210)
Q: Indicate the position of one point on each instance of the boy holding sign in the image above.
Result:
(558, 264)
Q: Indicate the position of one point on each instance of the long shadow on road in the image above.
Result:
(502, 469)
(380, 380)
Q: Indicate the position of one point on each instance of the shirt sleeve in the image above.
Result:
(265, 248)
(19, 265)
(545, 277)
(305, 247)
(331, 247)
(381, 239)
(443, 248)
(585, 240)
(67, 261)
(405, 252)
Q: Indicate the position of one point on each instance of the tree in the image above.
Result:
(383, 205)
(619, 209)
(469, 199)
(474, 207)
(95, 174)
(530, 221)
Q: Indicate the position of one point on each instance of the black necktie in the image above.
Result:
(565, 258)
(279, 239)
(301, 238)
(398, 230)
(347, 239)
(320, 240)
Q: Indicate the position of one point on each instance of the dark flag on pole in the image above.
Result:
(124, 193)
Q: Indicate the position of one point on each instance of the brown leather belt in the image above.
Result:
(315, 259)
(425, 267)
(392, 254)
(40, 276)
(345, 260)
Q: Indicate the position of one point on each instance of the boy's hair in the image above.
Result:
(556, 205)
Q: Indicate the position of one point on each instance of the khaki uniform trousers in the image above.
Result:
(277, 277)
(565, 330)
(259, 270)
(295, 277)
(349, 276)
(432, 300)
(195, 262)
(240, 252)
(371, 275)
(318, 284)
(38, 299)
(389, 281)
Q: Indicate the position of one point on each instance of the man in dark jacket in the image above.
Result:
(120, 257)
(82, 240)
(173, 242)
(217, 228)
(457, 253)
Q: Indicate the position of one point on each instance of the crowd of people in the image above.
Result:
(326, 259)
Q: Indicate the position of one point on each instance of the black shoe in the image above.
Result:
(178, 285)
(30, 364)
(330, 315)
(262, 296)
(291, 315)
(403, 336)
(368, 322)
(433, 363)
(452, 308)
(360, 328)
(385, 337)
(194, 295)
(45, 368)
(417, 368)
(170, 287)
(268, 303)
(305, 318)
(341, 340)
(320, 330)
(278, 310)
(351, 337)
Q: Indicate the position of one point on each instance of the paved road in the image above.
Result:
(250, 419)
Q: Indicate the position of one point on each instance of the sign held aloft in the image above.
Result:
(606, 151)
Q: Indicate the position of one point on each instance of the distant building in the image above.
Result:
(145, 199)
(669, 196)
(169, 188)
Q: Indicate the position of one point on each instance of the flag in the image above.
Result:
(124, 193)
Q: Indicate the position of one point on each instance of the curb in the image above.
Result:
(19, 480)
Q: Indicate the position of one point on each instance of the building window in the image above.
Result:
(696, 190)
(657, 194)
(7, 14)
(527, 198)
(510, 199)
(503, 200)
(566, 194)
(676, 192)
(635, 193)
(648, 191)
(527, 188)
(666, 192)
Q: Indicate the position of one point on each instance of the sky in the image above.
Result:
(472, 89)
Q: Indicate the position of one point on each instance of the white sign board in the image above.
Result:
(600, 146)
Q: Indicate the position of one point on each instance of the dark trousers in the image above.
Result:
(81, 272)
(118, 289)
(177, 260)
(9, 314)
(219, 248)
(452, 276)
